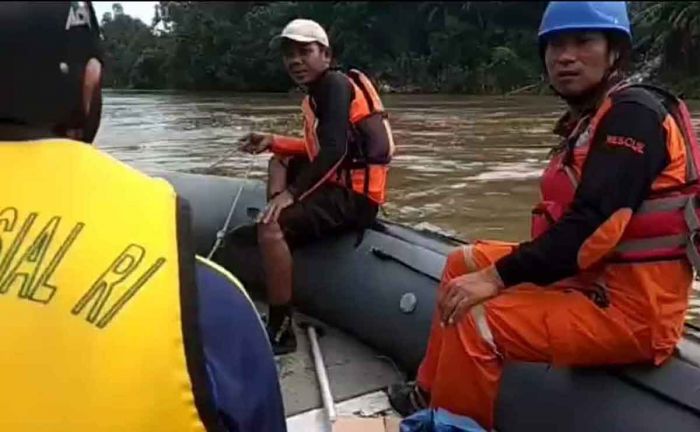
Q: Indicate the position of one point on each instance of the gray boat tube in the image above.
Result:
(383, 293)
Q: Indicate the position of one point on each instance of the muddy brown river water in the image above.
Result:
(466, 165)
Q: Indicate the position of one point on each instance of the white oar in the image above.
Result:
(321, 374)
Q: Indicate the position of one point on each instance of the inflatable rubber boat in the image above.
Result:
(381, 293)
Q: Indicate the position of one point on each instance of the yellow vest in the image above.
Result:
(97, 302)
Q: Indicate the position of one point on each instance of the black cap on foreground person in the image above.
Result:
(51, 75)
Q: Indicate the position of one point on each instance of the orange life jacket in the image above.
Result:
(370, 144)
(666, 224)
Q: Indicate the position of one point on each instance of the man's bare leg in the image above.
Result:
(276, 175)
(277, 260)
(277, 263)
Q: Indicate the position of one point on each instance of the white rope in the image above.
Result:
(223, 158)
(222, 232)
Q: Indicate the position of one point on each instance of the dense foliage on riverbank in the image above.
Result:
(468, 47)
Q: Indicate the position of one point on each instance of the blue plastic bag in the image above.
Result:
(439, 420)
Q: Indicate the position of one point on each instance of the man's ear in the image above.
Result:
(327, 54)
(92, 82)
(613, 57)
(91, 103)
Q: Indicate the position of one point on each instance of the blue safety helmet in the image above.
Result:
(574, 15)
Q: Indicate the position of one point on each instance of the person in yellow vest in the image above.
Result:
(331, 181)
(109, 320)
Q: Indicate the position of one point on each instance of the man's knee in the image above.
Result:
(270, 233)
(276, 175)
(460, 261)
(455, 258)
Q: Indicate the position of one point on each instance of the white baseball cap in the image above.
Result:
(305, 31)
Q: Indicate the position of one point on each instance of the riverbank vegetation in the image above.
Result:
(426, 47)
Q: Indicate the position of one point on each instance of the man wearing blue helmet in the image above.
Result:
(606, 276)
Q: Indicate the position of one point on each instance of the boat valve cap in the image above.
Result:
(408, 303)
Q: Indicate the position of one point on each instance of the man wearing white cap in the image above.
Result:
(332, 180)
(305, 31)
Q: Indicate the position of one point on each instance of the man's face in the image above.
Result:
(305, 62)
(577, 61)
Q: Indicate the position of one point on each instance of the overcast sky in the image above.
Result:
(143, 10)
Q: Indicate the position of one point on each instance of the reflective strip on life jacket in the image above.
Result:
(469, 261)
(669, 242)
(665, 204)
(478, 313)
(669, 246)
(571, 174)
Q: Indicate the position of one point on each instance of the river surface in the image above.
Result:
(464, 164)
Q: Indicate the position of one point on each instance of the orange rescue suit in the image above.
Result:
(644, 274)
(370, 145)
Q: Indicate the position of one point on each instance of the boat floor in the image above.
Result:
(353, 370)
(357, 376)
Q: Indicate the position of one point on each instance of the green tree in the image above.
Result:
(671, 31)
(125, 40)
(473, 47)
